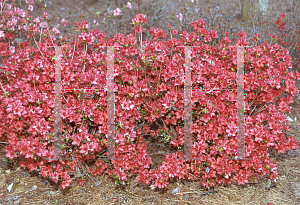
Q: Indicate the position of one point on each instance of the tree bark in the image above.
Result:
(255, 10)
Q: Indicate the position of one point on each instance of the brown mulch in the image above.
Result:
(32, 188)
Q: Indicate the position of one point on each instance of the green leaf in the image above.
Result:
(205, 111)
(116, 182)
(5, 160)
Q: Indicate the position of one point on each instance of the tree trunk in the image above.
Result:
(254, 10)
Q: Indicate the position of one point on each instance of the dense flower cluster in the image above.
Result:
(153, 79)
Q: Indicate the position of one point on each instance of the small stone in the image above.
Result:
(152, 187)
(33, 188)
(9, 188)
(62, 8)
(98, 183)
(177, 190)
(289, 119)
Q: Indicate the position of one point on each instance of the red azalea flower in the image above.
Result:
(81, 182)
(141, 18)
(138, 29)
(174, 31)
(213, 33)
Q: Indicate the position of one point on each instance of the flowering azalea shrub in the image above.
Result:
(283, 31)
(291, 41)
(152, 78)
